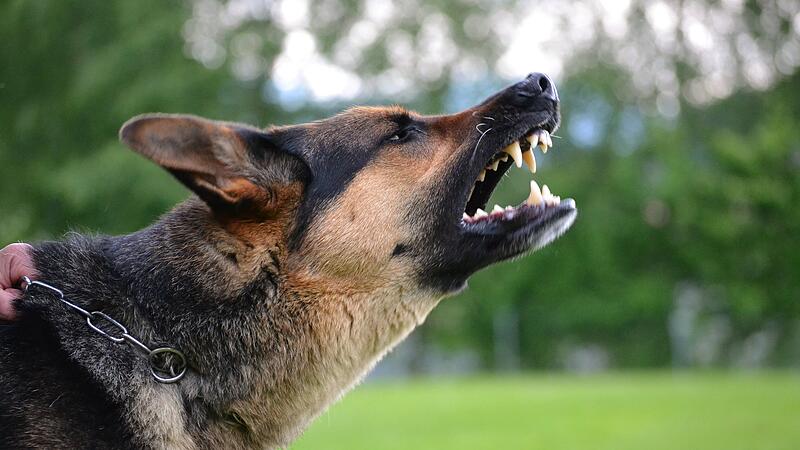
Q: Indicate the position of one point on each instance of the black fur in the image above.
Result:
(57, 371)
(51, 351)
(71, 409)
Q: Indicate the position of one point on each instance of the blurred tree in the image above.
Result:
(679, 144)
(75, 72)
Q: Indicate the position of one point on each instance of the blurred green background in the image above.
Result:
(668, 317)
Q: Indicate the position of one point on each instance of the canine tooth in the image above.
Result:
(480, 213)
(515, 152)
(465, 216)
(535, 197)
(497, 208)
(530, 160)
(495, 164)
(482, 175)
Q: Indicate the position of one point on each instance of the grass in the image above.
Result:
(641, 411)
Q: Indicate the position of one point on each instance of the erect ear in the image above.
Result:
(225, 164)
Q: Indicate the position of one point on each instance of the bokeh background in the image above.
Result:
(668, 317)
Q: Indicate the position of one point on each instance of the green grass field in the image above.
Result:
(641, 411)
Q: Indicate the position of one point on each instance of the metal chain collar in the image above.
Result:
(167, 365)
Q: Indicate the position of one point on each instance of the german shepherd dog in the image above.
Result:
(305, 254)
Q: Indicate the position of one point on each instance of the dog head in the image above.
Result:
(374, 193)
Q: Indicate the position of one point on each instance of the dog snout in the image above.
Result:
(537, 85)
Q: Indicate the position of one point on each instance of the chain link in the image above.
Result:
(167, 365)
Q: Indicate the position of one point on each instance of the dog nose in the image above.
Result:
(539, 84)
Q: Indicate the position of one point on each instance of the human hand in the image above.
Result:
(15, 262)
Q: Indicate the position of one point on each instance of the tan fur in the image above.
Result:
(348, 334)
(337, 244)
(158, 414)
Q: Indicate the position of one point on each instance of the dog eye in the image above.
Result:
(402, 135)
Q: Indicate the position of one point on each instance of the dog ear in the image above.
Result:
(230, 166)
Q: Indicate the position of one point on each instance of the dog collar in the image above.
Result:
(167, 365)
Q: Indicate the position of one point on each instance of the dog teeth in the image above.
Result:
(535, 197)
(544, 197)
(540, 138)
(465, 216)
(549, 198)
(530, 160)
(544, 141)
(516, 152)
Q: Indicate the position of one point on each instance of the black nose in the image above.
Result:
(539, 84)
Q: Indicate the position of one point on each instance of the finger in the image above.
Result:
(15, 262)
(22, 262)
(7, 311)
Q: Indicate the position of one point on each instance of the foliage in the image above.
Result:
(690, 212)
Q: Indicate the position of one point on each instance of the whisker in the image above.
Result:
(483, 117)
(477, 144)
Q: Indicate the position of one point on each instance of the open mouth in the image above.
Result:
(513, 127)
(519, 153)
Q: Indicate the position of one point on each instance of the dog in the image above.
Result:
(304, 255)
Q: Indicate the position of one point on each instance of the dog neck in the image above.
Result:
(271, 344)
